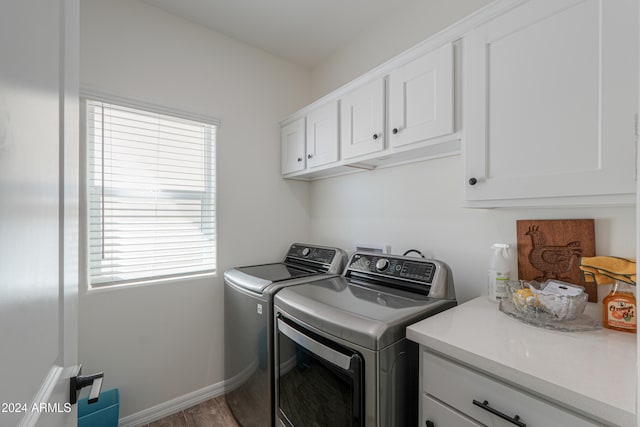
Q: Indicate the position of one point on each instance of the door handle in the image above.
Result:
(333, 356)
(78, 382)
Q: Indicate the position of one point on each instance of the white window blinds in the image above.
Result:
(151, 195)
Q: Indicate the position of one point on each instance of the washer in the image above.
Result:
(342, 358)
(248, 302)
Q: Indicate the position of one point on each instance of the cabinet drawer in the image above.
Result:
(458, 387)
(442, 416)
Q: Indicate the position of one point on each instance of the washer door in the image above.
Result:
(319, 382)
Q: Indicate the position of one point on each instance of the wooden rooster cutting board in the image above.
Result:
(551, 249)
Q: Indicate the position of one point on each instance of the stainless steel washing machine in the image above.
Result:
(248, 299)
(342, 358)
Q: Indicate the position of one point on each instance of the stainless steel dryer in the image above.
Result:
(248, 302)
(342, 358)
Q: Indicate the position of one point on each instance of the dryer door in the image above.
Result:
(319, 382)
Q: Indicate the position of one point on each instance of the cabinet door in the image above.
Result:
(421, 98)
(551, 90)
(293, 146)
(322, 135)
(490, 401)
(362, 120)
(435, 414)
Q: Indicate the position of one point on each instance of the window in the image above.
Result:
(150, 195)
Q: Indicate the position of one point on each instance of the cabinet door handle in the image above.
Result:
(430, 423)
(485, 405)
(309, 156)
(473, 181)
(375, 136)
(395, 130)
(299, 159)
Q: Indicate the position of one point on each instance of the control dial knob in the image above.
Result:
(305, 251)
(382, 264)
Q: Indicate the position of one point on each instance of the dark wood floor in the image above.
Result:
(212, 413)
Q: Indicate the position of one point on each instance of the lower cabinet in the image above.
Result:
(454, 395)
(436, 414)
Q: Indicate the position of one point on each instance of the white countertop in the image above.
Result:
(593, 372)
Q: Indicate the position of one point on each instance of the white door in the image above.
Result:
(362, 120)
(293, 146)
(38, 210)
(322, 135)
(421, 98)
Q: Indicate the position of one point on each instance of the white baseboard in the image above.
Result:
(172, 406)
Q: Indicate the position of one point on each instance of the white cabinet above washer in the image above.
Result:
(292, 146)
(403, 114)
(421, 98)
(322, 135)
(362, 120)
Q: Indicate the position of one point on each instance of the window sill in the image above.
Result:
(148, 283)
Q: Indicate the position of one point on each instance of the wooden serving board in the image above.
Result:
(551, 249)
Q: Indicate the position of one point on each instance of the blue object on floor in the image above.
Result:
(103, 413)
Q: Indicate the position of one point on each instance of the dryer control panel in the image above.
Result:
(390, 266)
(426, 276)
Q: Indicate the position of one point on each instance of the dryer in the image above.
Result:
(342, 357)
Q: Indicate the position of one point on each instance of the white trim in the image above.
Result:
(173, 406)
(155, 108)
(448, 35)
(42, 395)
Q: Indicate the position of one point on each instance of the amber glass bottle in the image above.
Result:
(619, 310)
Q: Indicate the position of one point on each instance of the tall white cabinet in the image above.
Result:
(550, 96)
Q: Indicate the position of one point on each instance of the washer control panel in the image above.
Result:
(311, 253)
(417, 270)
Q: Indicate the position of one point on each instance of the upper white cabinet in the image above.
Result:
(293, 146)
(550, 94)
(322, 135)
(362, 117)
(421, 98)
(402, 114)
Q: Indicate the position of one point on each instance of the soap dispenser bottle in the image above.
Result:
(498, 271)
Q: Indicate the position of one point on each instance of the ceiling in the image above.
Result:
(302, 31)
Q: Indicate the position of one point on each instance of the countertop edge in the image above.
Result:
(556, 394)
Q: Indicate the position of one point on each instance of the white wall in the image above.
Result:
(394, 34)
(159, 342)
(428, 213)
